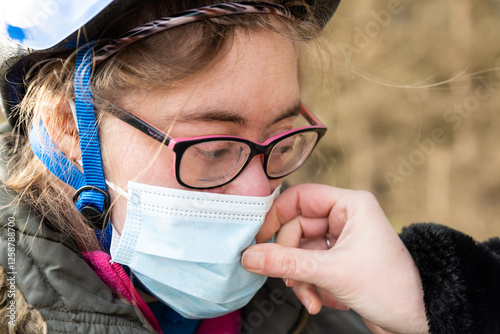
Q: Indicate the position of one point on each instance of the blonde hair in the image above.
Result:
(154, 63)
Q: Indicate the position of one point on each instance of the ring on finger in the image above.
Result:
(327, 239)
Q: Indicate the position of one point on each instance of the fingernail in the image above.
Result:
(342, 307)
(286, 282)
(308, 305)
(253, 260)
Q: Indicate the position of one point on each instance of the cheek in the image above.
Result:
(273, 184)
(129, 155)
(268, 229)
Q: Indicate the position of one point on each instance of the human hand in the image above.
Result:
(367, 268)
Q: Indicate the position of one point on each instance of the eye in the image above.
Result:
(285, 146)
(215, 150)
(213, 154)
(285, 149)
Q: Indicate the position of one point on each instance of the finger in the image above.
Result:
(293, 263)
(312, 244)
(309, 200)
(374, 328)
(301, 227)
(292, 234)
(308, 296)
(313, 298)
(286, 207)
(315, 243)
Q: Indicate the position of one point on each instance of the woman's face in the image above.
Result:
(247, 94)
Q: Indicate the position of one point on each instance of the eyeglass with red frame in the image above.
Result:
(207, 162)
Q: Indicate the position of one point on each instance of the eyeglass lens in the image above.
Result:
(289, 154)
(213, 163)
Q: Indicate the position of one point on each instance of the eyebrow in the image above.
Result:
(218, 115)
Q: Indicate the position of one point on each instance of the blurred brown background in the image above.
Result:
(428, 152)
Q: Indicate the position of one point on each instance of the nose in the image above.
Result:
(252, 181)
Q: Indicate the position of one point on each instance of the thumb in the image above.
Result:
(287, 262)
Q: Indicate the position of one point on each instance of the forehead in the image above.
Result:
(256, 77)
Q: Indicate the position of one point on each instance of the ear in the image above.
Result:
(61, 126)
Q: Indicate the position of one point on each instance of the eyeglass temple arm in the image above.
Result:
(149, 130)
(139, 124)
(309, 116)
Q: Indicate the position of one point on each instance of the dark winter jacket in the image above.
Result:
(46, 284)
(460, 277)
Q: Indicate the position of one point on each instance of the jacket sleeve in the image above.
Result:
(460, 278)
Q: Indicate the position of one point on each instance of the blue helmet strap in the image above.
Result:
(56, 162)
(92, 199)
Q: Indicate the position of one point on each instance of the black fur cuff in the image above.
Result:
(460, 278)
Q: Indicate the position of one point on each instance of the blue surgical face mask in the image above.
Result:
(186, 246)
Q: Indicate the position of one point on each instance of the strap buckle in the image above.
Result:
(94, 217)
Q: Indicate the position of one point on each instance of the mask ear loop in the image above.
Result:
(118, 189)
